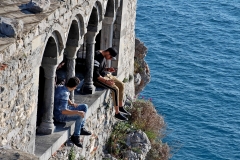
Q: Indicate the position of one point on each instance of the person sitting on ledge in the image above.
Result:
(100, 78)
(66, 110)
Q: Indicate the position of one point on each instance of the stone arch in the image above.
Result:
(73, 38)
(92, 31)
(99, 7)
(74, 29)
(81, 24)
(93, 20)
(47, 70)
(72, 46)
(60, 40)
(57, 33)
(110, 10)
(53, 49)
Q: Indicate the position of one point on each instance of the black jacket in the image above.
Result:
(99, 65)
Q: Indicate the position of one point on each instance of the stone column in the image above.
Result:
(47, 126)
(71, 57)
(88, 86)
(71, 73)
(107, 35)
(71, 50)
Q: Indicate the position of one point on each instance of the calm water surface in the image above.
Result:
(194, 57)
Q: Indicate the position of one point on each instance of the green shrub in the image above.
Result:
(144, 117)
(72, 154)
(116, 144)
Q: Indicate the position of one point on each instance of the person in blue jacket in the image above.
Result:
(66, 110)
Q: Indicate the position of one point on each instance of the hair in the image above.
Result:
(113, 52)
(73, 82)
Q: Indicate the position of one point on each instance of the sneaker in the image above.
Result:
(121, 109)
(121, 117)
(85, 132)
(76, 141)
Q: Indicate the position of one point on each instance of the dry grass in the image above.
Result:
(159, 151)
(145, 117)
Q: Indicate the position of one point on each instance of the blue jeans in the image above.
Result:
(79, 121)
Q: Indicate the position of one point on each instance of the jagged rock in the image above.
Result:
(130, 155)
(108, 157)
(37, 6)
(140, 49)
(11, 27)
(142, 66)
(137, 79)
(139, 144)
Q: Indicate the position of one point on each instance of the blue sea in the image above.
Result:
(194, 58)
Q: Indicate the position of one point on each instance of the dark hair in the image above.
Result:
(113, 52)
(73, 82)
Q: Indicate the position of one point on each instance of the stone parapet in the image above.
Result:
(100, 119)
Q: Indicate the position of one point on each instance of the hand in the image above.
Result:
(111, 69)
(109, 82)
(81, 113)
(74, 105)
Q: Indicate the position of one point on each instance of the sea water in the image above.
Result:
(194, 58)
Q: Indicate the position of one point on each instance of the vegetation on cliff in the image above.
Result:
(144, 117)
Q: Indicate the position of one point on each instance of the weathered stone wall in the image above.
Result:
(21, 57)
(124, 28)
(18, 101)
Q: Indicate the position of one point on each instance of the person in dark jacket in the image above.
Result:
(101, 78)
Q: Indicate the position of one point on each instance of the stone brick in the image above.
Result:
(62, 10)
(61, 19)
(36, 42)
(42, 26)
(11, 27)
(56, 15)
(11, 49)
(51, 17)
(37, 6)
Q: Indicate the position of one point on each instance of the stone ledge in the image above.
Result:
(47, 145)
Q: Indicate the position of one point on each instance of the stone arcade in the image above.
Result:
(31, 47)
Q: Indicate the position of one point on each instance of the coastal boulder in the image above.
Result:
(11, 27)
(139, 145)
(137, 79)
(37, 6)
